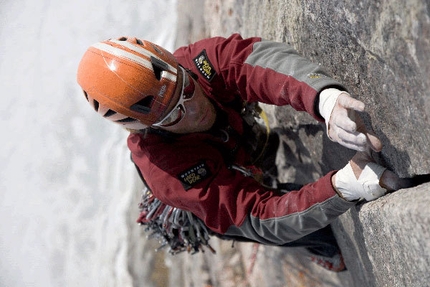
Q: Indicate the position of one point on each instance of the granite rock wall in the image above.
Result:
(379, 49)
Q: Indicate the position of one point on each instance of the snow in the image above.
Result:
(66, 181)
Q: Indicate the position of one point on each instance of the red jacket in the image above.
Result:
(192, 171)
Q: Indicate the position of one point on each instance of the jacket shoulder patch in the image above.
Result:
(204, 66)
(194, 175)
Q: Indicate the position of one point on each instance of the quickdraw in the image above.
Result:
(179, 229)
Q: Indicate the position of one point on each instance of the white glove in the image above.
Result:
(366, 186)
(343, 126)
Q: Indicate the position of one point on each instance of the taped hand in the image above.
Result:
(344, 126)
(363, 178)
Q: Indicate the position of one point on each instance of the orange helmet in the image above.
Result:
(128, 81)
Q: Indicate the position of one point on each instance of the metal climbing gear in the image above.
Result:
(173, 227)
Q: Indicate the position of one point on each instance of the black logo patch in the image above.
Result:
(205, 66)
(194, 175)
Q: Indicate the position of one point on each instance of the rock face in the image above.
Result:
(381, 52)
(386, 242)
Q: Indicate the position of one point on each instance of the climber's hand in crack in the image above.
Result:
(344, 125)
(363, 178)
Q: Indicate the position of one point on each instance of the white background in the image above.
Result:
(65, 175)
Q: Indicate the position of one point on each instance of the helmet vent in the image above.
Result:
(143, 106)
(158, 66)
(86, 95)
(126, 120)
(109, 113)
(96, 105)
(156, 49)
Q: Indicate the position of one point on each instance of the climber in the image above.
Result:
(196, 148)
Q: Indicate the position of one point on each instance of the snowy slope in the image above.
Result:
(66, 181)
